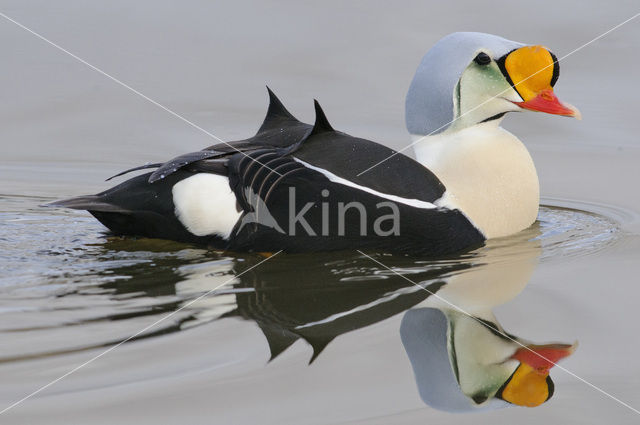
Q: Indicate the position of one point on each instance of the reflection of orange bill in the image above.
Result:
(530, 384)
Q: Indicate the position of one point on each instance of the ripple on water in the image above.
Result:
(572, 232)
(62, 273)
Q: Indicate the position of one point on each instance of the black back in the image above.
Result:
(287, 168)
(270, 183)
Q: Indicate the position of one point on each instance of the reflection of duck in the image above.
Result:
(324, 297)
(462, 363)
(472, 180)
(473, 363)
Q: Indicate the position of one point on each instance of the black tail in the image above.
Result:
(119, 220)
(89, 203)
(138, 208)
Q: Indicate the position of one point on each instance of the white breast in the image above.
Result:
(205, 205)
(489, 176)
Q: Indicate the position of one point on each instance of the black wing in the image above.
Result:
(347, 156)
(312, 182)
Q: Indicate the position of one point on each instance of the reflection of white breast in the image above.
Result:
(477, 360)
(481, 357)
(489, 176)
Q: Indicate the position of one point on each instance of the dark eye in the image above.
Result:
(482, 59)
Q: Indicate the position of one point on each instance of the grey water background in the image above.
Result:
(66, 290)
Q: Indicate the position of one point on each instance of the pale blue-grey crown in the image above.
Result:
(429, 105)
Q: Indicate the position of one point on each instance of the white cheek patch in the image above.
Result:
(205, 205)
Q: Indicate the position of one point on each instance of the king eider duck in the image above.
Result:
(296, 187)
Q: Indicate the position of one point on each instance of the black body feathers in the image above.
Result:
(289, 164)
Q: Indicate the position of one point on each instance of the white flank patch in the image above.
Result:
(336, 179)
(205, 205)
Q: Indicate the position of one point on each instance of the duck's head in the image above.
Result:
(468, 78)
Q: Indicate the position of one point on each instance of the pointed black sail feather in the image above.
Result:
(276, 108)
(322, 124)
(279, 129)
